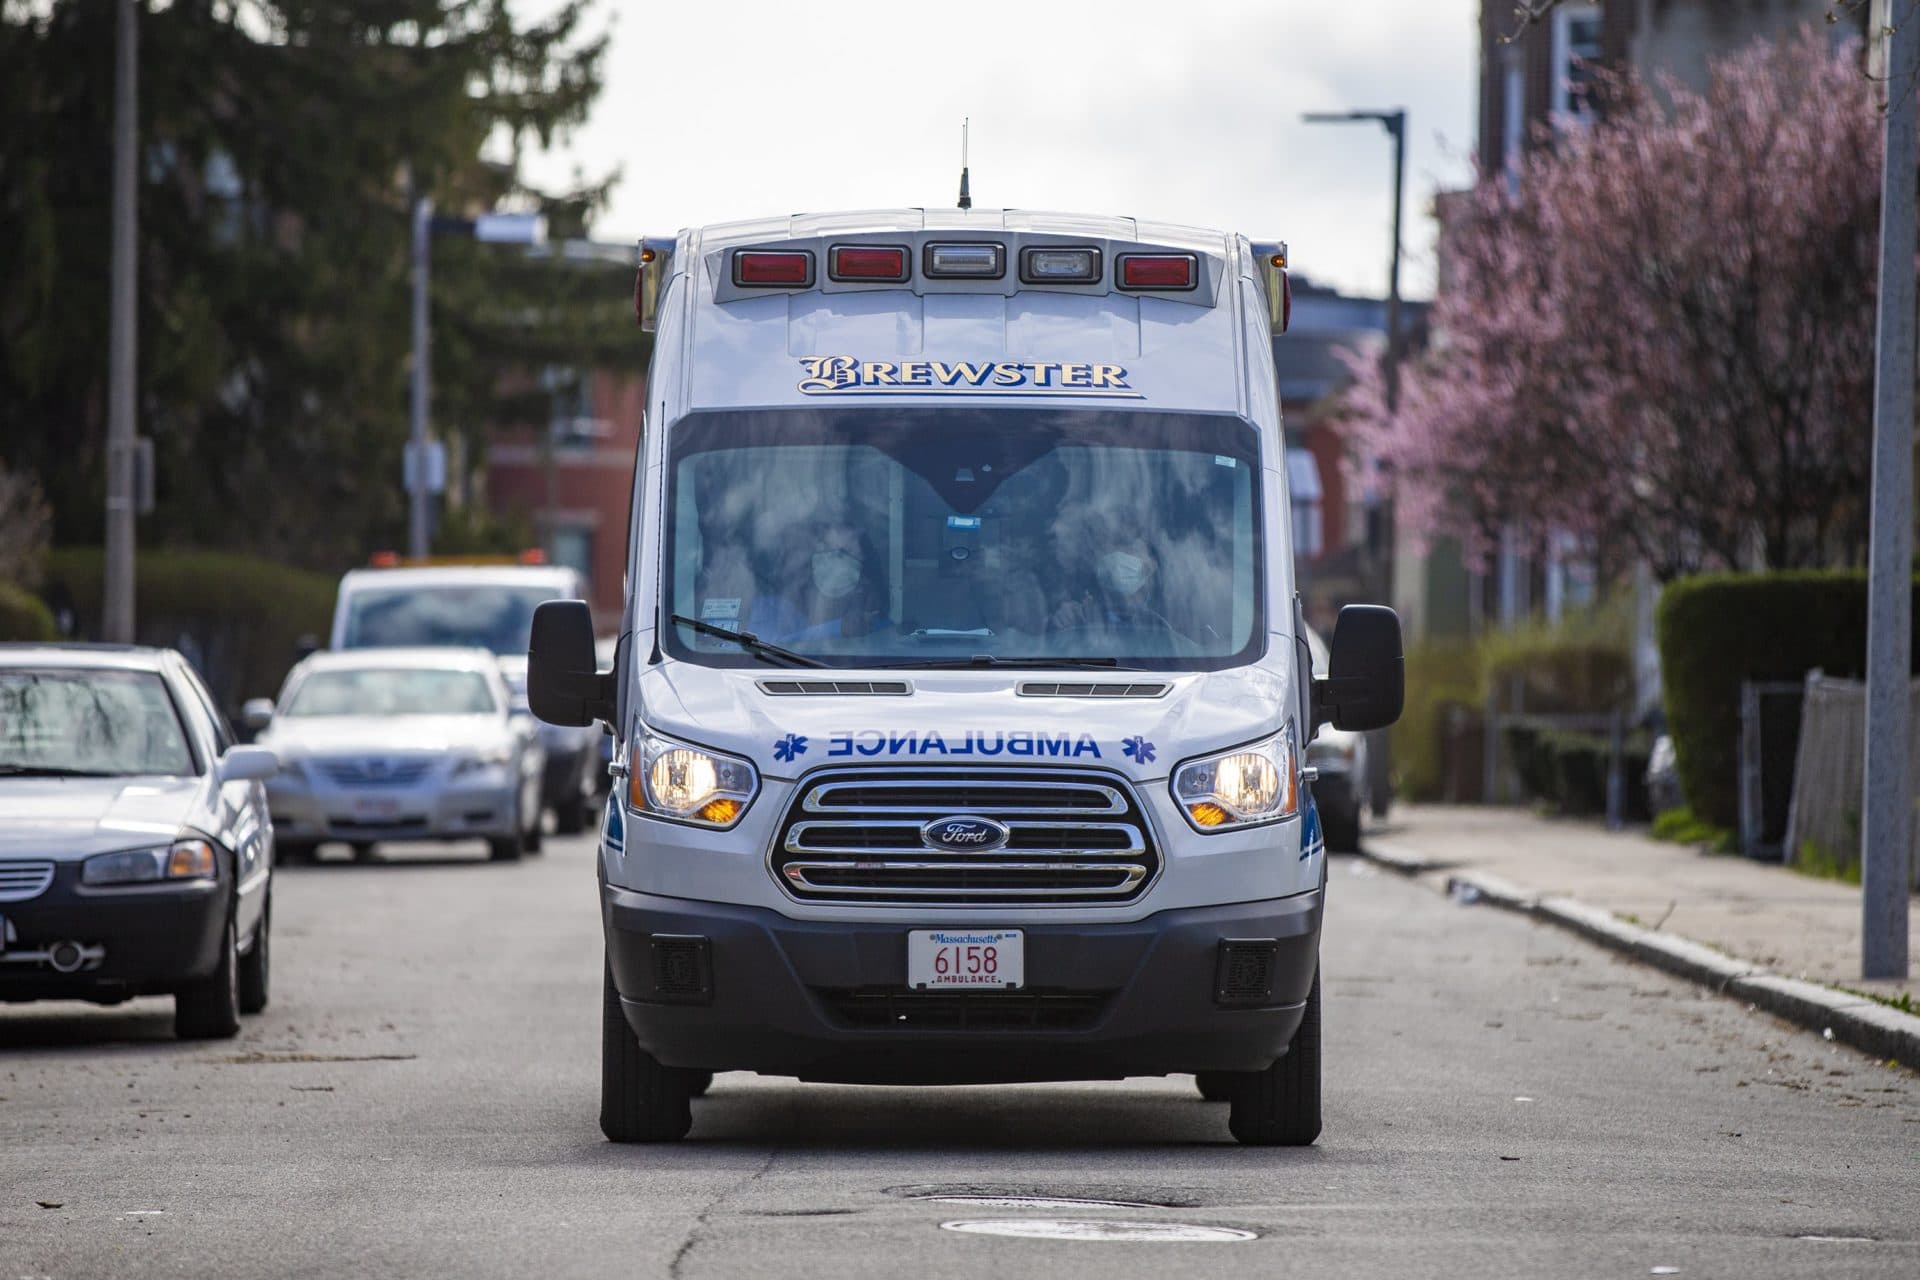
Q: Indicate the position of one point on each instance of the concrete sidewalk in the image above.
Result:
(1785, 941)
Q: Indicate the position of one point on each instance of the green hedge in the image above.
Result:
(1718, 630)
(23, 617)
(241, 619)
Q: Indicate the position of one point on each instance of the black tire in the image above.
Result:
(536, 834)
(507, 848)
(210, 1008)
(640, 1100)
(294, 853)
(1280, 1107)
(1341, 828)
(363, 851)
(571, 815)
(1215, 1086)
(256, 967)
(700, 1082)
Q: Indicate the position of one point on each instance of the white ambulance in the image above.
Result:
(962, 694)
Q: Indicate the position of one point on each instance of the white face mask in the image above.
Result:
(1123, 573)
(835, 573)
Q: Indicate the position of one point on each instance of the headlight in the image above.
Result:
(491, 757)
(181, 860)
(673, 780)
(1255, 783)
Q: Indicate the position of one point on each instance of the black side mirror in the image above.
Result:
(564, 685)
(1365, 685)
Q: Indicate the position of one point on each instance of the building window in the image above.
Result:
(1303, 488)
(1576, 60)
(574, 425)
(572, 546)
(1513, 116)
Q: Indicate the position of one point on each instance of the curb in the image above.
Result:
(1866, 1024)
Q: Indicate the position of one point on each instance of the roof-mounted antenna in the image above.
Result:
(966, 195)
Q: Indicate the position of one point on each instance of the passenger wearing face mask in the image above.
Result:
(1124, 574)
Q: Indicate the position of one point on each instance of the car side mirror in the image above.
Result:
(1365, 684)
(256, 713)
(564, 684)
(248, 764)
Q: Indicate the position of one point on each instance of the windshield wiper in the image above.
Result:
(752, 643)
(991, 660)
(51, 771)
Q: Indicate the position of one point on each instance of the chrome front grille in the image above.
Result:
(22, 880)
(376, 771)
(1073, 837)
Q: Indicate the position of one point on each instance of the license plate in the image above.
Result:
(375, 807)
(959, 959)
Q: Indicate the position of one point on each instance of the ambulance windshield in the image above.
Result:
(883, 537)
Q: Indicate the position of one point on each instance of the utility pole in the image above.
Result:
(1886, 829)
(416, 470)
(116, 614)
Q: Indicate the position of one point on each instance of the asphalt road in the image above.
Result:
(420, 1099)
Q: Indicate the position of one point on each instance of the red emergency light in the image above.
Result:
(384, 559)
(533, 555)
(765, 268)
(886, 263)
(1157, 271)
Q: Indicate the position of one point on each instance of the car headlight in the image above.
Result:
(1259, 782)
(190, 859)
(690, 784)
(491, 757)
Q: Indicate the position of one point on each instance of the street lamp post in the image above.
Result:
(425, 469)
(116, 615)
(1395, 123)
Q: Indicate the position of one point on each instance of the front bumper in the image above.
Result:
(439, 811)
(826, 999)
(139, 940)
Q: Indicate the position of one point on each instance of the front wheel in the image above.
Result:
(210, 1008)
(507, 848)
(572, 814)
(1280, 1107)
(1215, 1086)
(640, 1100)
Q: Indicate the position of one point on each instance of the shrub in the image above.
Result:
(1568, 771)
(1718, 630)
(240, 619)
(23, 616)
(1442, 708)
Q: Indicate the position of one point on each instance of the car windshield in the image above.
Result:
(467, 615)
(74, 722)
(897, 537)
(392, 691)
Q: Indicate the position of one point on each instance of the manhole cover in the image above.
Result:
(987, 1201)
(1070, 1229)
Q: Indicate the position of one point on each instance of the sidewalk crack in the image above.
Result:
(697, 1233)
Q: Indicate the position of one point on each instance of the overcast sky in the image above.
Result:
(1176, 110)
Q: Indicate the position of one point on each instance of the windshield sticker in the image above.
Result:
(789, 748)
(1020, 742)
(1139, 748)
(844, 375)
(720, 609)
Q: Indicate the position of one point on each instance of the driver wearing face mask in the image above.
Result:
(841, 599)
(1123, 575)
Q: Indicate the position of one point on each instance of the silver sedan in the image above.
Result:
(401, 744)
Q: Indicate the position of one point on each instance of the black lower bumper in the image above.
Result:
(727, 988)
(145, 940)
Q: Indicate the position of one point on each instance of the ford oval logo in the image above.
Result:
(963, 834)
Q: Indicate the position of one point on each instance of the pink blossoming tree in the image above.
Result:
(1659, 339)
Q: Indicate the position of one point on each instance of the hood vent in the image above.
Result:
(840, 688)
(1081, 689)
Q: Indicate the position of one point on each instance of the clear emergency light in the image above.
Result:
(966, 261)
(1059, 266)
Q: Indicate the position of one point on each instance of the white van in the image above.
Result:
(489, 606)
(962, 692)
